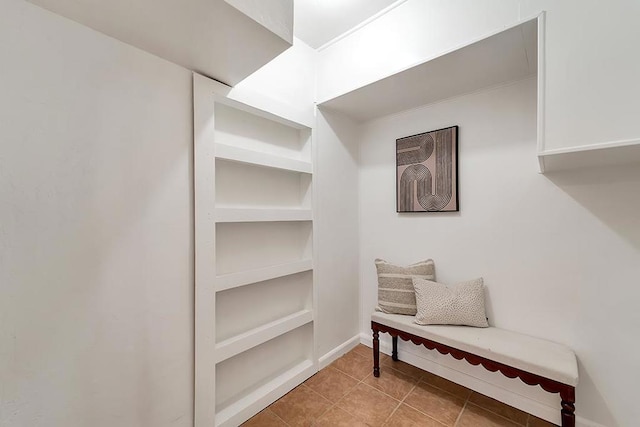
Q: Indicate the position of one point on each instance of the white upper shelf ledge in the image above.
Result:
(504, 56)
(234, 280)
(593, 155)
(261, 215)
(237, 154)
(243, 342)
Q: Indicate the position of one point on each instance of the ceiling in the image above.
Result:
(317, 22)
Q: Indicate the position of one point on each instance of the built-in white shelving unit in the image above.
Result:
(254, 253)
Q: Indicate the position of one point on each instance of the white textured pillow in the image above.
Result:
(460, 304)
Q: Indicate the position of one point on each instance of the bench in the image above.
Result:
(535, 361)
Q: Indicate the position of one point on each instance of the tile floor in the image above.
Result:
(347, 394)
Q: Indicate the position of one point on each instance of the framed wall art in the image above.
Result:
(427, 172)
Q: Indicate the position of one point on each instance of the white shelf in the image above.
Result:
(243, 342)
(505, 56)
(243, 155)
(235, 280)
(596, 155)
(252, 403)
(261, 215)
(241, 309)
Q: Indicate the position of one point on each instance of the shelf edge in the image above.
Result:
(592, 155)
(227, 215)
(235, 280)
(243, 155)
(591, 147)
(254, 337)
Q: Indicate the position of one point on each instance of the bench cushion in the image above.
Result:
(530, 354)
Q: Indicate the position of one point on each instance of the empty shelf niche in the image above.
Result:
(243, 309)
(241, 185)
(254, 373)
(241, 129)
(252, 245)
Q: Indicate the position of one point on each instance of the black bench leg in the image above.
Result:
(568, 407)
(394, 353)
(376, 354)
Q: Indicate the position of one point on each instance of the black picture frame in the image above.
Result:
(429, 158)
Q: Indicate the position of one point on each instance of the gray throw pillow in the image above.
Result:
(395, 285)
(460, 304)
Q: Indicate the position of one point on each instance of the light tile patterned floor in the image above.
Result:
(347, 394)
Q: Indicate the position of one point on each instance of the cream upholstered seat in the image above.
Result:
(535, 355)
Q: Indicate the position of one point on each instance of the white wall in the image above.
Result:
(336, 200)
(560, 254)
(96, 258)
(592, 60)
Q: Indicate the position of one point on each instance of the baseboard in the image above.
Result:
(497, 391)
(332, 355)
(583, 422)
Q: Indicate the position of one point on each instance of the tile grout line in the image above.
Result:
(276, 415)
(428, 415)
(315, 421)
(502, 416)
(268, 408)
(401, 402)
(380, 391)
(420, 380)
(464, 407)
(417, 409)
(332, 404)
(335, 404)
(350, 390)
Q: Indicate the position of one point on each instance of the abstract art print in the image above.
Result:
(427, 171)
